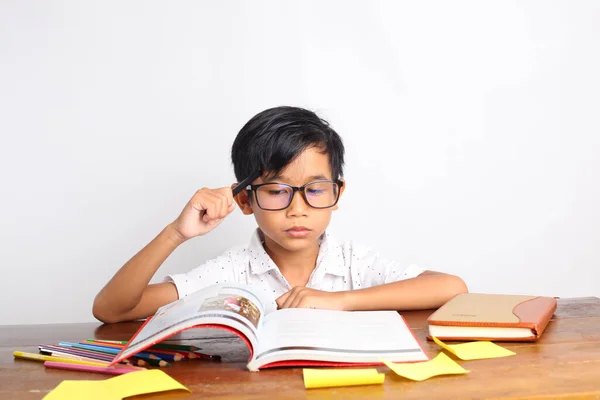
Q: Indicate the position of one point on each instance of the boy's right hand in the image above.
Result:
(204, 212)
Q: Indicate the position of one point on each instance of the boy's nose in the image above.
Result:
(298, 205)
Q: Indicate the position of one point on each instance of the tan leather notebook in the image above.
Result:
(474, 316)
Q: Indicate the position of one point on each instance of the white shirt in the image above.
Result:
(339, 267)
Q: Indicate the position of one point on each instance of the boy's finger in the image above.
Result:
(281, 299)
(298, 302)
(290, 300)
(198, 203)
(294, 294)
(218, 202)
(224, 208)
(212, 211)
(228, 193)
(222, 204)
(209, 213)
(215, 203)
(202, 200)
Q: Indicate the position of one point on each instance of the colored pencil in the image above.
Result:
(162, 353)
(162, 350)
(41, 357)
(151, 362)
(139, 362)
(101, 349)
(89, 368)
(77, 352)
(71, 356)
(104, 344)
(180, 348)
(82, 353)
(193, 354)
(168, 355)
(109, 350)
(108, 341)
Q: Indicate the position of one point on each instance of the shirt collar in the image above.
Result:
(330, 255)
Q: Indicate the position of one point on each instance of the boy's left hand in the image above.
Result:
(303, 297)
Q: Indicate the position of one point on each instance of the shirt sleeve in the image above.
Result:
(217, 270)
(369, 269)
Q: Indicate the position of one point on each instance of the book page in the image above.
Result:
(237, 306)
(358, 335)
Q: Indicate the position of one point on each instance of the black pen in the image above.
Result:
(242, 185)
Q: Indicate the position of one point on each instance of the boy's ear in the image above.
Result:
(341, 193)
(243, 201)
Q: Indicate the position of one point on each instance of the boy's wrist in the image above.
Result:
(173, 235)
(349, 300)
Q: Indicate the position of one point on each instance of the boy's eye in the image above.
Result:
(316, 191)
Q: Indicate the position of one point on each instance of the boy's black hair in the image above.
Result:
(275, 137)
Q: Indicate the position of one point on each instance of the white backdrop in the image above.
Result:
(479, 120)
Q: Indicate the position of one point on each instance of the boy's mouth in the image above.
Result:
(298, 231)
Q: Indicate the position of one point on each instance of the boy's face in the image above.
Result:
(298, 226)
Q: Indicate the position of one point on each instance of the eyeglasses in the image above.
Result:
(278, 196)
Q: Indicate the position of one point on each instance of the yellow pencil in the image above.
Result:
(41, 357)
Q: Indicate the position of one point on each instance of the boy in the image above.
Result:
(299, 159)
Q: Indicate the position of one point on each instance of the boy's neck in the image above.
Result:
(297, 266)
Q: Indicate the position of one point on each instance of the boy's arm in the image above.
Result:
(428, 290)
(127, 296)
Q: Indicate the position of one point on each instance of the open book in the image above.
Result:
(289, 337)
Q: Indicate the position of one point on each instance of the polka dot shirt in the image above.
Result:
(340, 266)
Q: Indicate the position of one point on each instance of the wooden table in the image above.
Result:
(565, 363)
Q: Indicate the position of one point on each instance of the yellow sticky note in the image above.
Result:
(440, 365)
(475, 350)
(319, 378)
(72, 390)
(117, 388)
(142, 382)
